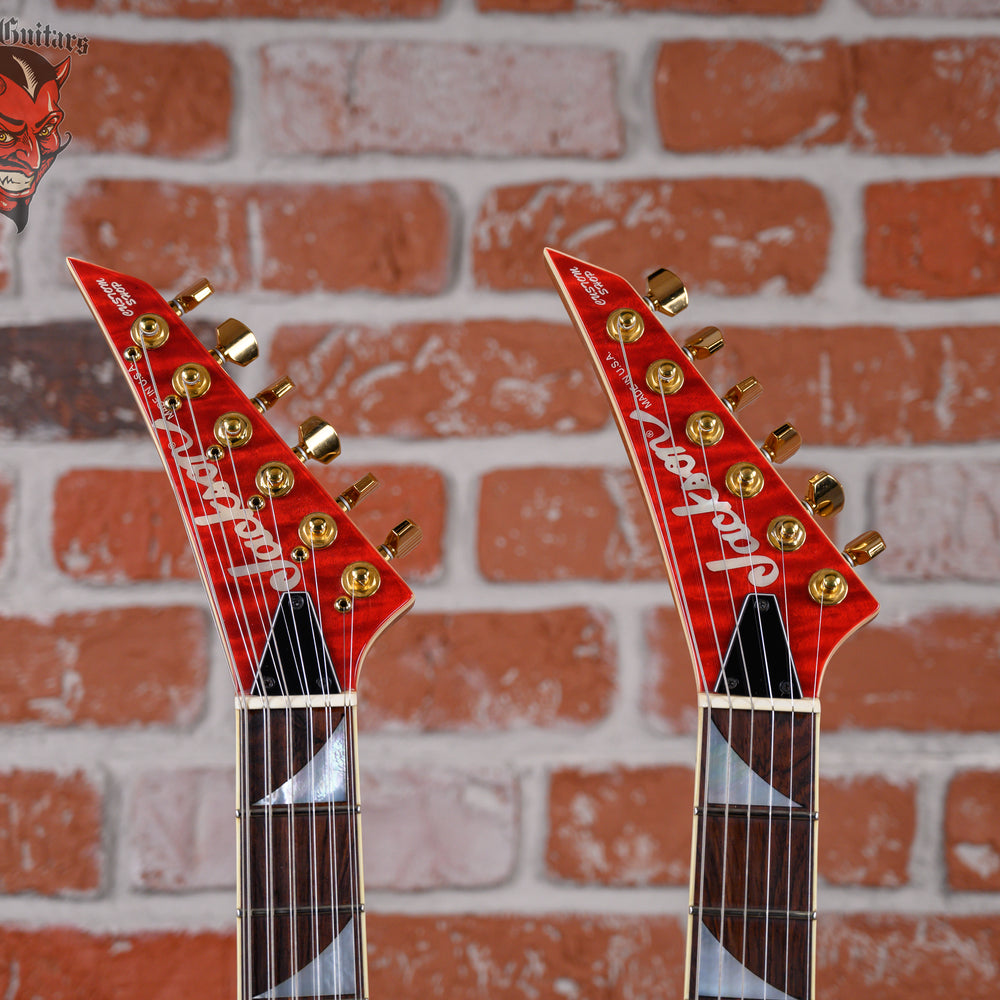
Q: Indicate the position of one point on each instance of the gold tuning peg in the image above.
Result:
(192, 296)
(666, 292)
(782, 443)
(353, 495)
(401, 541)
(864, 548)
(824, 495)
(742, 394)
(317, 440)
(704, 343)
(266, 398)
(236, 343)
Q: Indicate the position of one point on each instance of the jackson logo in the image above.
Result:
(700, 497)
(228, 509)
(30, 117)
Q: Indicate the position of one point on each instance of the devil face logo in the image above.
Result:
(30, 117)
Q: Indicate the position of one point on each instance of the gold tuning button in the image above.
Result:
(317, 440)
(401, 541)
(192, 296)
(666, 292)
(824, 495)
(742, 394)
(353, 495)
(782, 443)
(864, 548)
(266, 398)
(235, 343)
(704, 343)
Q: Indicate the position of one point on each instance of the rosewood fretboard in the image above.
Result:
(301, 909)
(751, 929)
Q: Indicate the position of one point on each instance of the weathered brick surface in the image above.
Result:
(932, 239)
(878, 384)
(58, 381)
(386, 236)
(565, 524)
(198, 9)
(64, 963)
(713, 95)
(972, 831)
(109, 668)
(114, 525)
(914, 689)
(901, 956)
(866, 830)
(932, 8)
(512, 957)
(442, 379)
(941, 520)
(116, 101)
(489, 670)
(620, 826)
(434, 829)
(497, 100)
(50, 833)
(188, 231)
(734, 235)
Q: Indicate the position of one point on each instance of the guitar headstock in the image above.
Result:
(297, 591)
(756, 580)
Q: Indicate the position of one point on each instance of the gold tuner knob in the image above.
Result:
(401, 541)
(192, 296)
(782, 443)
(236, 343)
(317, 440)
(266, 398)
(864, 548)
(824, 495)
(666, 292)
(353, 495)
(742, 394)
(704, 343)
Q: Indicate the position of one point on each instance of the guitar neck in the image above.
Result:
(751, 924)
(301, 891)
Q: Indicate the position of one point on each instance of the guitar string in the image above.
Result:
(791, 787)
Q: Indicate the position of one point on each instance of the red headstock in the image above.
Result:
(733, 534)
(291, 579)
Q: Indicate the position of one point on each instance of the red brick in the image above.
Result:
(900, 957)
(733, 235)
(180, 837)
(496, 670)
(50, 833)
(111, 668)
(117, 525)
(116, 101)
(933, 239)
(889, 675)
(972, 831)
(864, 385)
(186, 232)
(866, 830)
(204, 9)
(565, 524)
(927, 96)
(513, 957)
(713, 95)
(441, 379)
(386, 236)
(429, 828)
(440, 98)
(620, 826)
(775, 7)
(941, 520)
(64, 963)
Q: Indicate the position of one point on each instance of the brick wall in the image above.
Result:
(369, 183)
